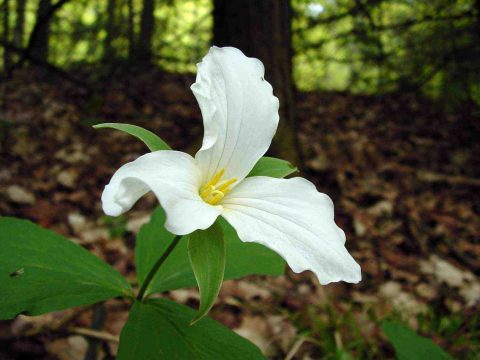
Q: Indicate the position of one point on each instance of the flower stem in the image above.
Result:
(156, 266)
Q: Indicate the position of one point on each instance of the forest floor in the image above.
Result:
(404, 176)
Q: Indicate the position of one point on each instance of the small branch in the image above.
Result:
(94, 334)
(396, 26)
(55, 326)
(426, 19)
(50, 67)
(97, 324)
(63, 322)
(431, 176)
(295, 348)
(36, 29)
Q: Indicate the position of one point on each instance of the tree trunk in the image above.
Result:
(40, 47)
(131, 30)
(144, 42)
(262, 29)
(477, 7)
(108, 49)
(7, 60)
(19, 30)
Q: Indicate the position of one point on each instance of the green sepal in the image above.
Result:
(273, 167)
(242, 259)
(153, 141)
(206, 251)
(266, 166)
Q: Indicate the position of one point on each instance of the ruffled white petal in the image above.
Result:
(240, 113)
(174, 178)
(292, 218)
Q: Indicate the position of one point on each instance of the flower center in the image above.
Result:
(214, 190)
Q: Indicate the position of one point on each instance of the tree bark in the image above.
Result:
(144, 41)
(108, 49)
(7, 59)
(131, 30)
(477, 7)
(48, 66)
(39, 49)
(19, 30)
(262, 29)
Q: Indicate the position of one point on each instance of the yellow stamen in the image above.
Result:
(214, 190)
(216, 197)
(215, 178)
(207, 191)
(224, 186)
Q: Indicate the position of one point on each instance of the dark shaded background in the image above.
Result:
(379, 108)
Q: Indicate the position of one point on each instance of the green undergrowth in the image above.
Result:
(348, 331)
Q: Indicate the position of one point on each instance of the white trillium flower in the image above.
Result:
(240, 116)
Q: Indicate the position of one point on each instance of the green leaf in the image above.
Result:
(41, 271)
(269, 166)
(206, 250)
(411, 346)
(242, 258)
(160, 329)
(152, 141)
(245, 259)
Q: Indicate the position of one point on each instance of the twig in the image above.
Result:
(41, 21)
(295, 348)
(50, 67)
(97, 324)
(56, 326)
(63, 322)
(395, 26)
(94, 334)
(431, 176)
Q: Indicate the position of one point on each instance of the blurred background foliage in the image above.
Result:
(359, 46)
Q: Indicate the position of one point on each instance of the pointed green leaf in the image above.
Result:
(153, 142)
(206, 250)
(160, 329)
(273, 167)
(41, 271)
(242, 258)
(411, 346)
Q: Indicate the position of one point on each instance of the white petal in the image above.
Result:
(292, 218)
(240, 113)
(174, 178)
